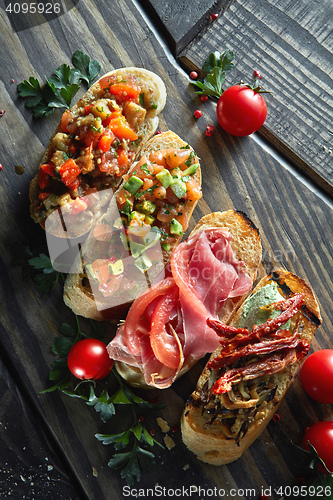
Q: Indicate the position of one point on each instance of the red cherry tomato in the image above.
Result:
(320, 436)
(241, 111)
(317, 376)
(88, 359)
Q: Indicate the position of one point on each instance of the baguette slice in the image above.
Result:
(53, 198)
(78, 293)
(212, 440)
(246, 245)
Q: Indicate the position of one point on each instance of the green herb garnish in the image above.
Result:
(60, 89)
(215, 68)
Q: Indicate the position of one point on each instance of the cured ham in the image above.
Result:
(166, 328)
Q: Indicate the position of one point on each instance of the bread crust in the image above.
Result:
(247, 248)
(77, 292)
(150, 83)
(208, 442)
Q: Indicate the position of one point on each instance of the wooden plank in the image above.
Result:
(181, 22)
(29, 467)
(294, 219)
(290, 45)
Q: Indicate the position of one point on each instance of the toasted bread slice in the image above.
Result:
(78, 294)
(52, 195)
(247, 248)
(218, 440)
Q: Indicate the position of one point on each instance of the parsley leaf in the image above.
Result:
(88, 70)
(215, 68)
(60, 89)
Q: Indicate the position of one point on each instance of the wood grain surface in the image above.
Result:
(181, 22)
(291, 46)
(294, 218)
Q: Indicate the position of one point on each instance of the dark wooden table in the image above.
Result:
(281, 177)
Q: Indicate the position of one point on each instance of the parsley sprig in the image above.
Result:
(214, 69)
(130, 455)
(60, 89)
(39, 267)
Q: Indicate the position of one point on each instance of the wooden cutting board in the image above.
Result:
(294, 217)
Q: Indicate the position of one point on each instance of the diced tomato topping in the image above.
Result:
(122, 129)
(193, 191)
(48, 168)
(75, 184)
(79, 205)
(43, 196)
(72, 148)
(106, 140)
(113, 114)
(125, 91)
(69, 172)
(101, 270)
(122, 157)
(88, 108)
(102, 232)
(65, 119)
(43, 179)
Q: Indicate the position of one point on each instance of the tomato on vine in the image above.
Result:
(320, 436)
(241, 109)
(88, 359)
(317, 376)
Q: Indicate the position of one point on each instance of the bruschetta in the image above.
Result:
(130, 245)
(165, 331)
(246, 378)
(94, 145)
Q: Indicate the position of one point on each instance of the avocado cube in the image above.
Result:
(176, 227)
(146, 206)
(133, 184)
(178, 187)
(164, 177)
(191, 170)
(143, 263)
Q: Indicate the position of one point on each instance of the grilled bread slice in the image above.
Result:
(219, 427)
(168, 218)
(246, 246)
(95, 143)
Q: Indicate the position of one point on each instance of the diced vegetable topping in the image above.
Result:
(133, 184)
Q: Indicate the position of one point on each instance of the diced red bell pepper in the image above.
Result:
(125, 91)
(88, 108)
(106, 140)
(69, 172)
(122, 129)
(75, 184)
(48, 168)
(122, 157)
(43, 179)
(43, 196)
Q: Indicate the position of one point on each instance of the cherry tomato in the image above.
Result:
(320, 435)
(317, 376)
(241, 111)
(88, 359)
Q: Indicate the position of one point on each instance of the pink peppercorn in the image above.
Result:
(204, 98)
(193, 75)
(276, 417)
(158, 132)
(213, 17)
(197, 113)
(209, 133)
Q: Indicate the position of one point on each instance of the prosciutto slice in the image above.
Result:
(166, 327)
